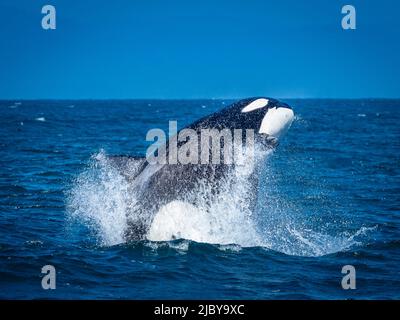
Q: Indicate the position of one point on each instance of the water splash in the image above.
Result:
(226, 220)
(98, 199)
(101, 198)
(303, 228)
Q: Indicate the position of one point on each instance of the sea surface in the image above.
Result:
(329, 197)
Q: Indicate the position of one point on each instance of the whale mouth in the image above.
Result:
(268, 141)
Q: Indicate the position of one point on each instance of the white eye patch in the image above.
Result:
(256, 104)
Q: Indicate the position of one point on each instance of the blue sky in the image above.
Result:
(199, 49)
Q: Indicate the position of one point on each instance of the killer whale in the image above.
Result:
(154, 185)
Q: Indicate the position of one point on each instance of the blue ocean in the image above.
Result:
(329, 196)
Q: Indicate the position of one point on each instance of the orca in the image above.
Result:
(154, 185)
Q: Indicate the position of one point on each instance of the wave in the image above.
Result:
(100, 199)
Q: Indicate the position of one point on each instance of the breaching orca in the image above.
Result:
(157, 184)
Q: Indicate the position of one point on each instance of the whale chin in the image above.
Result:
(268, 141)
(263, 144)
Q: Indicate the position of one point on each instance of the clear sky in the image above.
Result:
(199, 49)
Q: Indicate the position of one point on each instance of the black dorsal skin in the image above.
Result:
(156, 185)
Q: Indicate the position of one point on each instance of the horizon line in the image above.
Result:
(174, 98)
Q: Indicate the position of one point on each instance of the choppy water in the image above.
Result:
(330, 197)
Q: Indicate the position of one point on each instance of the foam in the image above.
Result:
(101, 199)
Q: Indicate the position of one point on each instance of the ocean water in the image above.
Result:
(329, 196)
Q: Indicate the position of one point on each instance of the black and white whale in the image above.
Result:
(156, 184)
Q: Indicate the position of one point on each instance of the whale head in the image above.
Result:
(268, 117)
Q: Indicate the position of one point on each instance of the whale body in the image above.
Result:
(155, 185)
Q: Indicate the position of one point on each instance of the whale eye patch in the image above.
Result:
(256, 104)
